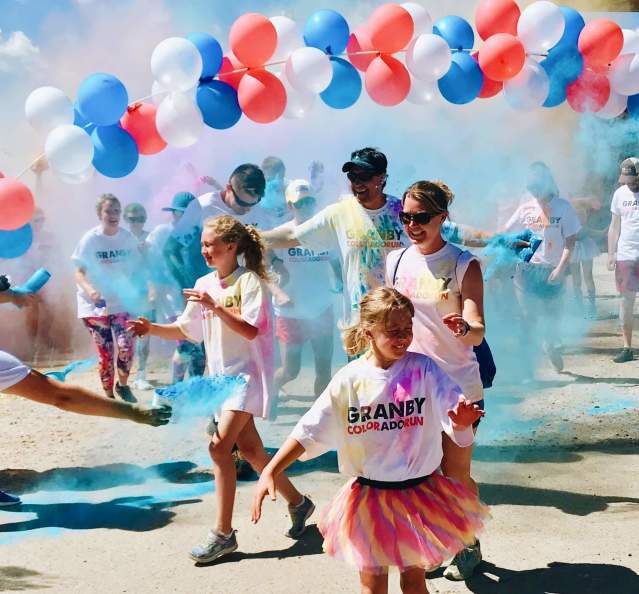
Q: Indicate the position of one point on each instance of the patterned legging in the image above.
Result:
(103, 329)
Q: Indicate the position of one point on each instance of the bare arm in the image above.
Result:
(142, 327)
(46, 390)
(285, 456)
(613, 238)
(469, 326)
(85, 285)
(565, 258)
(18, 299)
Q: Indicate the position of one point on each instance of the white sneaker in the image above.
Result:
(142, 384)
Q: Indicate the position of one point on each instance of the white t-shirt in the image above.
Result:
(205, 206)
(309, 283)
(362, 238)
(625, 204)
(114, 266)
(12, 371)
(432, 282)
(243, 293)
(385, 424)
(560, 221)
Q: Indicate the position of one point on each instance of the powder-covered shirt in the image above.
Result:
(12, 371)
(114, 267)
(625, 204)
(433, 283)
(553, 222)
(362, 238)
(385, 424)
(227, 352)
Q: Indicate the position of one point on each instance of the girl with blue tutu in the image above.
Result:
(384, 413)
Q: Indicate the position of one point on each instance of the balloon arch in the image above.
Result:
(541, 56)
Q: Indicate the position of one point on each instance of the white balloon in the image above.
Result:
(69, 150)
(47, 108)
(422, 22)
(422, 91)
(288, 37)
(428, 57)
(78, 178)
(308, 69)
(176, 64)
(540, 26)
(179, 120)
(624, 75)
(630, 41)
(614, 107)
(159, 93)
(529, 89)
(298, 103)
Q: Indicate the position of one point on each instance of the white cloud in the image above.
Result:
(16, 52)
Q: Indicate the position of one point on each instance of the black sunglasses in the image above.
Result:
(136, 219)
(419, 218)
(243, 203)
(360, 177)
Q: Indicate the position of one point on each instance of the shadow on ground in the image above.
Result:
(20, 579)
(558, 578)
(125, 513)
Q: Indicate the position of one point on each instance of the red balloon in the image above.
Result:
(262, 96)
(502, 56)
(600, 42)
(490, 88)
(589, 93)
(229, 64)
(139, 122)
(360, 41)
(16, 204)
(496, 16)
(253, 39)
(387, 81)
(391, 28)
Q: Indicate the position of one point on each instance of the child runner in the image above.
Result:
(107, 259)
(135, 217)
(385, 412)
(229, 310)
(446, 287)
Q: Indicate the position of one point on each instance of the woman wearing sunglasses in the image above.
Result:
(446, 287)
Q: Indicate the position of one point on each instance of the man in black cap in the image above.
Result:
(623, 249)
(362, 228)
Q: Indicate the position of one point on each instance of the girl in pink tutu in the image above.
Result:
(384, 413)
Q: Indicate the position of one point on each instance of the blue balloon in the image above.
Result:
(345, 87)
(574, 23)
(327, 30)
(463, 81)
(633, 106)
(456, 31)
(102, 99)
(563, 65)
(14, 244)
(218, 103)
(211, 52)
(116, 153)
(80, 121)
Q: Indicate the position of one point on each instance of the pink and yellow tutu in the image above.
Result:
(418, 526)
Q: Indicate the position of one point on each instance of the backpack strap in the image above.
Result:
(397, 264)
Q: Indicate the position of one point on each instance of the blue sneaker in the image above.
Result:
(6, 500)
(216, 546)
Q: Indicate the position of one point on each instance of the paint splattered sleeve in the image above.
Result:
(444, 396)
(318, 233)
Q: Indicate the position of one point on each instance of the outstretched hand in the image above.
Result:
(265, 485)
(201, 297)
(154, 416)
(464, 414)
(139, 327)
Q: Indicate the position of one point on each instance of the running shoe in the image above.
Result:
(142, 384)
(7, 500)
(216, 546)
(464, 563)
(125, 393)
(299, 514)
(624, 356)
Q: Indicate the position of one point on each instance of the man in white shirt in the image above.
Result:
(623, 249)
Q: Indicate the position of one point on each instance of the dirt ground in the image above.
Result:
(114, 507)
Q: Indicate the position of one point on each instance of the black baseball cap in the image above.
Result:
(180, 201)
(629, 170)
(368, 159)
